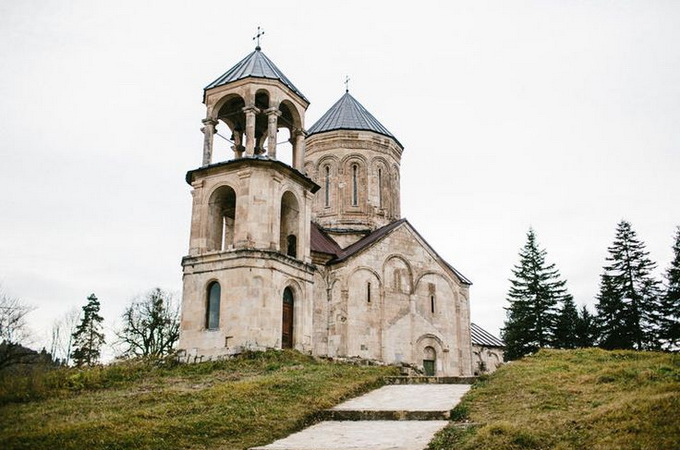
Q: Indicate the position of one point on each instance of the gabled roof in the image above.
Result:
(255, 65)
(367, 241)
(481, 337)
(348, 114)
(323, 243)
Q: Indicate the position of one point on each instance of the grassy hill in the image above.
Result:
(578, 399)
(251, 400)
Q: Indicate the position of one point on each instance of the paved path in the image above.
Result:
(380, 434)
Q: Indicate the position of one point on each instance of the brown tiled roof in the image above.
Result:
(322, 243)
(367, 241)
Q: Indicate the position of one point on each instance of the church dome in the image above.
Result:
(255, 65)
(348, 114)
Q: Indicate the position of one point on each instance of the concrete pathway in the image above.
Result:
(410, 409)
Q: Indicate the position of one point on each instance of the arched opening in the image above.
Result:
(355, 185)
(380, 189)
(212, 310)
(291, 246)
(287, 318)
(290, 224)
(230, 143)
(429, 361)
(327, 186)
(221, 219)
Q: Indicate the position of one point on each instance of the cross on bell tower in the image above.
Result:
(260, 33)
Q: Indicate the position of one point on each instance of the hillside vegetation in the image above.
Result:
(572, 399)
(248, 401)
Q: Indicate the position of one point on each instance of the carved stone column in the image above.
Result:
(250, 112)
(238, 148)
(272, 130)
(208, 133)
(298, 141)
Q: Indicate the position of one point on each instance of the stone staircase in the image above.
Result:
(403, 415)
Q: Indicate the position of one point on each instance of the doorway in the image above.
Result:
(429, 362)
(287, 319)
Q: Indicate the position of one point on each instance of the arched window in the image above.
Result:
(287, 319)
(355, 185)
(327, 187)
(212, 316)
(222, 214)
(380, 184)
(290, 224)
(291, 242)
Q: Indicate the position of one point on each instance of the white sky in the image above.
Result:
(559, 115)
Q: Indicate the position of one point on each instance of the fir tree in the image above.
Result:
(585, 329)
(628, 301)
(566, 325)
(534, 296)
(88, 337)
(670, 302)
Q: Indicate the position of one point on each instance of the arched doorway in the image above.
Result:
(287, 319)
(429, 361)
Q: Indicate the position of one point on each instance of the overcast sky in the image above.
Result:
(563, 116)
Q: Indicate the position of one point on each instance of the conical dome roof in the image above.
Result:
(348, 114)
(255, 65)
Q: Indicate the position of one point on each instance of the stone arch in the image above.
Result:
(221, 218)
(436, 299)
(400, 281)
(425, 345)
(326, 174)
(292, 120)
(289, 225)
(355, 177)
(380, 178)
(229, 111)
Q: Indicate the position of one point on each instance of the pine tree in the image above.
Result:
(628, 302)
(670, 302)
(88, 337)
(534, 296)
(566, 325)
(585, 329)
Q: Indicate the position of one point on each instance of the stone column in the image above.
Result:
(272, 130)
(250, 112)
(208, 133)
(237, 137)
(298, 141)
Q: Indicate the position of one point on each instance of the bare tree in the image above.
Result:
(63, 328)
(150, 324)
(14, 332)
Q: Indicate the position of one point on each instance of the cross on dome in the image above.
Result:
(259, 34)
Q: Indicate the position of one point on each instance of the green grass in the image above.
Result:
(572, 399)
(248, 401)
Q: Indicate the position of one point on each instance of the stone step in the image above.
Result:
(331, 414)
(429, 380)
(368, 435)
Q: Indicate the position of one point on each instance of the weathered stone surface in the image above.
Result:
(371, 435)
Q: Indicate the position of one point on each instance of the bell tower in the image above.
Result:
(248, 275)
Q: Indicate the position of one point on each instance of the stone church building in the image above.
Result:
(315, 256)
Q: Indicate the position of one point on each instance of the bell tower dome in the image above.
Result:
(356, 161)
(248, 275)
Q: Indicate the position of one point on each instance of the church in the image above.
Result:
(313, 255)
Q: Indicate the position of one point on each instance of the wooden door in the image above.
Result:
(287, 319)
